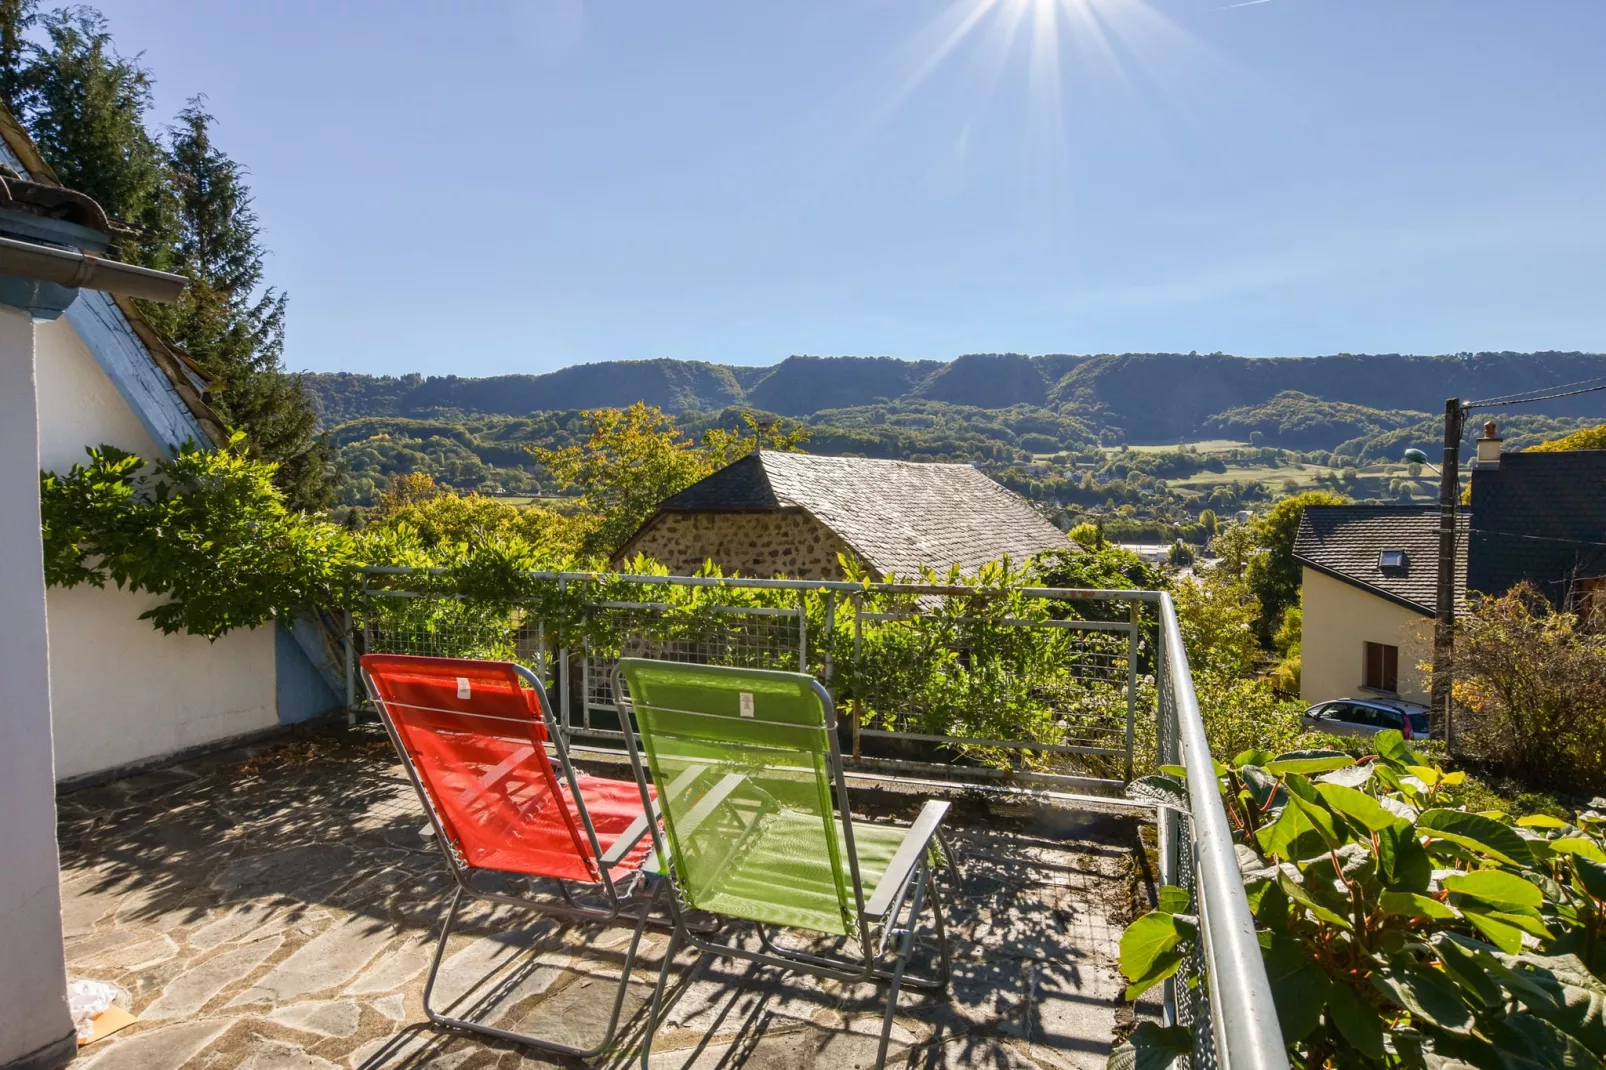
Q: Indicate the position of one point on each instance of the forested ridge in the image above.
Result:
(1145, 397)
(1005, 411)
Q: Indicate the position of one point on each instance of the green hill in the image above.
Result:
(1140, 398)
(1300, 421)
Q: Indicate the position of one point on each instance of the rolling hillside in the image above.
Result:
(1133, 397)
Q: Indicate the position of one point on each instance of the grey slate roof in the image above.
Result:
(896, 515)
(1539, 517)
(1345, 541)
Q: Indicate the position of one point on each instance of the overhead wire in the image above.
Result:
(1515, 399)
(1538, 389)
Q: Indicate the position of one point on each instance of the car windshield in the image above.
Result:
(1419, 723)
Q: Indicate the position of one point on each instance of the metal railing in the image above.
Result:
(1223, 981)
(1084, 709)
(1120, 686)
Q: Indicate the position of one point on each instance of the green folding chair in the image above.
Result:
(756, 826)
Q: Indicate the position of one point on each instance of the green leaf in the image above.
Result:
(1164, 790)
(1507, 891)
(1468, 969)
(1499, 931)
(1299, 986)
(1392, 748)
(1592, 874)
(1542, 1043)
(1428, 994)
(1164, 965)
(1412, 905)
(1357, 1020)
(1145, 940)
(1541, 821)
(1358, 806)
(1577, 1003)
(1403, 863)
(1302, 830)
(1479, 833)
(1252, 757)
(1265, 789)
(1581, 846)
(1174, 900)
(1306, 762)
(1268, 902)
(1297, 892)
(1151, 1047)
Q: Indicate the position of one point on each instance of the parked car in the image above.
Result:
(1368, 716)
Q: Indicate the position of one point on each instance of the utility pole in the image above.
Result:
(1444, 622)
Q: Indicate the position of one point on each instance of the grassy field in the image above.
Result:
(1209, 445)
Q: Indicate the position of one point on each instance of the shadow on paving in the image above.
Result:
(275, 906)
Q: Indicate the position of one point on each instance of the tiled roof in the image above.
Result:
(1346, 542)
(1538, 517)
(897, 515)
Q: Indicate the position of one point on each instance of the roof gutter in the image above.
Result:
(69, 267)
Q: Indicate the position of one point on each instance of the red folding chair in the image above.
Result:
(472, 736)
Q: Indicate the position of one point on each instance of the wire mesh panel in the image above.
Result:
(447, 627)
(749, 637)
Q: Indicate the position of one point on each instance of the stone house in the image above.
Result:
(790, 514)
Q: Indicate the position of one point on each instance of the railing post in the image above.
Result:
(858, 655)
(563, 667)
(350, 638)
(829, 631)
(802, 631)
(1132, 685)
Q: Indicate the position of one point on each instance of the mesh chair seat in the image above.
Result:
(545, 849)
(771, 881)
(475, 735)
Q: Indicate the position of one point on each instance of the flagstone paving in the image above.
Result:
(273, 908)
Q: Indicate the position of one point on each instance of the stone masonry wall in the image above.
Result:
(787, 543)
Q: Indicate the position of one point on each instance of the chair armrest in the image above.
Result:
(639, 827)
(889, 892)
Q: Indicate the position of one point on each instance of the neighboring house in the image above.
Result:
(1539, 518)
(122, 692)
(791, 514)
(1370, 585)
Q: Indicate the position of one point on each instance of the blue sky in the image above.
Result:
(501, 186)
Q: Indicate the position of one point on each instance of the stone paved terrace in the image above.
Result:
(272, 908)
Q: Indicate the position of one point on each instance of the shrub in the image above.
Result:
(1533, 681)
(1397, 928)
(207, 528)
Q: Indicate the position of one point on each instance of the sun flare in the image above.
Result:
(1066, 49)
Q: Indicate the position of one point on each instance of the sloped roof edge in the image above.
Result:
(165, 395)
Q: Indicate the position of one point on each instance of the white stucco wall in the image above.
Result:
(1339, 620)
(33, 972)
(123, 692)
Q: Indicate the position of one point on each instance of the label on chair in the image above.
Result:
(463, 689)
(747, 703)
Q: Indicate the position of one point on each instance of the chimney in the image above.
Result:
(1489, 447)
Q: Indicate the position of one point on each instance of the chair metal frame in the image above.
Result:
(463, 877)
(907, 881)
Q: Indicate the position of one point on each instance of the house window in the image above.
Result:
(1392, 559)
(1382, 670)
